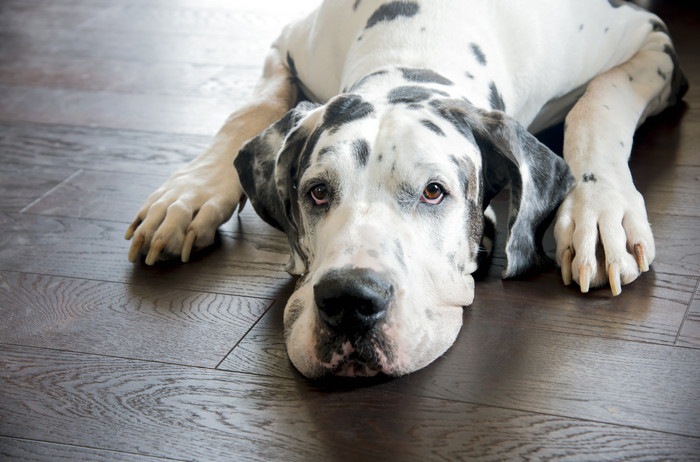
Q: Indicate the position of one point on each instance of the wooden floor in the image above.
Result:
(101, 359)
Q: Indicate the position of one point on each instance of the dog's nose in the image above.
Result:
(351, 300)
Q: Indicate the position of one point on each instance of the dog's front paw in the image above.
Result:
(184, 213)
(603, 234)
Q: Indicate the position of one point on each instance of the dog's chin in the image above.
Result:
(352, 368)
(362, 358)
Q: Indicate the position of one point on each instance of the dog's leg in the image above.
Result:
(186, 210)
(602, 230)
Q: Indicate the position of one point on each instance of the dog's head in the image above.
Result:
(383, 206)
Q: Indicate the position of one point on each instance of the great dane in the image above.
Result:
(380, 132)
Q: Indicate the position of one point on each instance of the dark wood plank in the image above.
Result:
(690, 334)
(119, 196)
(247, 265)
(132, 406)
(156, 323)
(23, 184)
(233, 24)
(563, 374)
(137, 77)
(29, 15)
(262, 351)
(36, 451)
(669, 191)
(98, 148)
(167, 114)
(677, 244)
(145, 46)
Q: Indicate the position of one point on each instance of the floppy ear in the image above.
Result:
(539, 179)
(267, 166)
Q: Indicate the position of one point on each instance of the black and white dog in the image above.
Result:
(377, 137)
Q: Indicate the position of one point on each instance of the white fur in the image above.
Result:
(541, 55)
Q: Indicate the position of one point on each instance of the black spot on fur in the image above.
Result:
(356, 5)
(478, 54)
(398, 254)
(432, 127)
(361, 150)
(424, 76)
(392, 10)
(679, 83)
(409, 94)
(589, 178)
(305, 158)
(454, 117)
(658, 26)
(662, 74)
(345, 109)
(495, 98)
(292, 67)
(326, 151)
(364, 80)
(619, 3)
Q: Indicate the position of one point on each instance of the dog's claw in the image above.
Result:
(584, 278)
(155, 251)
(135, 248)
(131, 229)
(641, 256)
(187, 245)
(566, 259)
(614, 278)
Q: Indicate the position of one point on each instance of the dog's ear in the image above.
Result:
(539, 180)
(268, 166)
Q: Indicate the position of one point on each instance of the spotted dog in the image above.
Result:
(377, 137)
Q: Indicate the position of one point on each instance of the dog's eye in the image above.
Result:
(433, 194)
(320, 194)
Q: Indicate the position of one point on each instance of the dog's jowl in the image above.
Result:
(380, 132)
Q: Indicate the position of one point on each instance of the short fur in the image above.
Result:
(378, 136)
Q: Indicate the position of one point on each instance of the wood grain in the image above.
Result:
(155, 323)
(36, 451)
(263, 351)
(174, 114)
(689, 335)
(496, 365)
(135, 406)
(125, 151)
(116, 196)
(248, 265)
(24, 184)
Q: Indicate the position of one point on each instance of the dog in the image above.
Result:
(377, 137)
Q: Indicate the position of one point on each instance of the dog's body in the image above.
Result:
(414, 118)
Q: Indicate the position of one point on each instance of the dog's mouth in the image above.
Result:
(360, 358)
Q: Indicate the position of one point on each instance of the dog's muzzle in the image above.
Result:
(352, 301)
